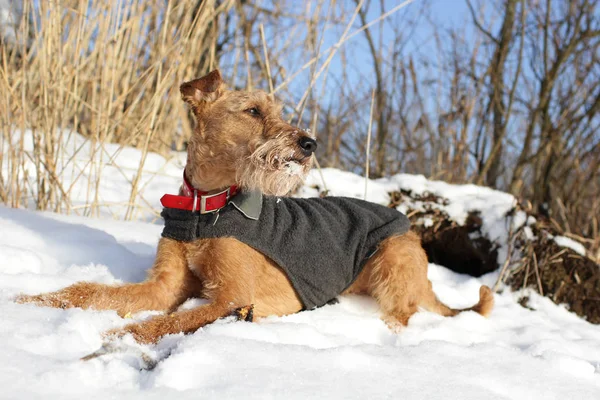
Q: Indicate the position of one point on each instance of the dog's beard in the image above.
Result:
(274, 168)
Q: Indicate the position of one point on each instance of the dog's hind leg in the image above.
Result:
(398, 280)
(170, 282)
(395, 277)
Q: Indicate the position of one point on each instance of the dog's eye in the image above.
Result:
(253, 111)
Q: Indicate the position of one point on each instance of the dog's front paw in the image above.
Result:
(44, 300)
(77, 295)
(146, 332)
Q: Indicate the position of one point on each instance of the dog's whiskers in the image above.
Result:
(268, 170)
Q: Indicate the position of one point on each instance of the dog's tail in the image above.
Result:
(483, 307)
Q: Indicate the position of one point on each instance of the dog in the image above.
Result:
(233, 238)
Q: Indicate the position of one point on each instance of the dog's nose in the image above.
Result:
(308, 145)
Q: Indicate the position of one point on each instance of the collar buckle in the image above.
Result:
(195, 200)
(204, 198)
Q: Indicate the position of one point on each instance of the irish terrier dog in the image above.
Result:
(229, 238)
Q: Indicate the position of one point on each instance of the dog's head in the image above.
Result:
(241, 139)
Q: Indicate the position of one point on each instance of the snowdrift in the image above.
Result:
(530, 347)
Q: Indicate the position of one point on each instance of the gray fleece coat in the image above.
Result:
(322, 244)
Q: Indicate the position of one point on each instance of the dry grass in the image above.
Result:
(110, 71)
(107, 70)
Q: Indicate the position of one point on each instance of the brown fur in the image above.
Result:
(235, 145)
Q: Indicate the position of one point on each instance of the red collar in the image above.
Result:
(195, 200)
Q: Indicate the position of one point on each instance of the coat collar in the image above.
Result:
(248, 203)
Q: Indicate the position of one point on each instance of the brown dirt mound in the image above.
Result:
(556, 272)
(560, 274)
(462, 249)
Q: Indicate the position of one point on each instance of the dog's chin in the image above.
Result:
(275, 180)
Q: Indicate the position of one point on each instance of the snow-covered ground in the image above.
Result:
(337, 351)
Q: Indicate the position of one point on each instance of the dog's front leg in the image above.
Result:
(229, 287)
(170, 282)
(185, 322)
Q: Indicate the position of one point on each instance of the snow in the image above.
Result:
(293, 168)
(337, 351)
(83, 164)
(571, 244)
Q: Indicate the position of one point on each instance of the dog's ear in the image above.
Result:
(202, 90)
